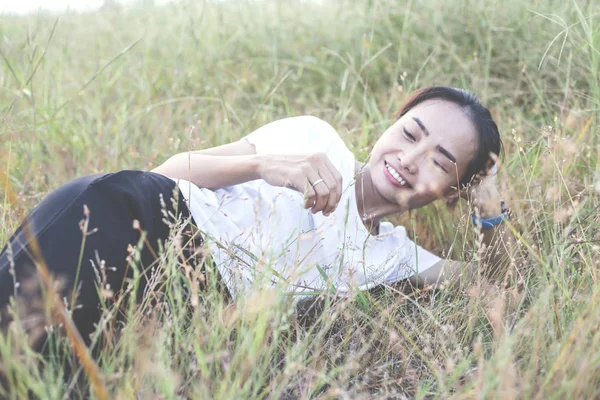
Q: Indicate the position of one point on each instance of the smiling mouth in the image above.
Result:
(395, 177)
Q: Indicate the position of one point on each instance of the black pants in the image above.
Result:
(114, 201)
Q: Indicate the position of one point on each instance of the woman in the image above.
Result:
(288, 204)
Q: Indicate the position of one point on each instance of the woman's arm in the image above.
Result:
(493, 264)
(443, 272)
(496, 243)
(214, 168)
(237, 162)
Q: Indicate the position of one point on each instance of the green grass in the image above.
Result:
(126, 88)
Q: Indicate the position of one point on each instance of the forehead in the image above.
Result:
(448, 126)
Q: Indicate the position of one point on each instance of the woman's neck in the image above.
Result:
(372, 206)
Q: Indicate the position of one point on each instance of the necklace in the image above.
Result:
(362, 189)
(362, 192)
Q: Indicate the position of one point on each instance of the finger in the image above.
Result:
(333, 196)
(310, 195)
(339, 188)
(322, 193)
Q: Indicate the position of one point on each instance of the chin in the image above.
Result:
(420, 203)
(411, 200)
(392, 195)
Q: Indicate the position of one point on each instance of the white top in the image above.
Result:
(261, 235)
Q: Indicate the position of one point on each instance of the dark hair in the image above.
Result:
(488, 136)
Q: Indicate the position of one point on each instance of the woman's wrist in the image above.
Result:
(489, 210)
(256, 165)
(486, 203)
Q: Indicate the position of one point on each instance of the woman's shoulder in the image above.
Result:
(325, 138)
(301, 134)
(317, 125)
(303, 123)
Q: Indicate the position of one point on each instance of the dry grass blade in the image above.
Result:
(208, 73)
(89, 365)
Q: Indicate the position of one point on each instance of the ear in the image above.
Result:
(452, 197)
(491, 165)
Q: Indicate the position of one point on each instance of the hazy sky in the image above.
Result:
(24, 6)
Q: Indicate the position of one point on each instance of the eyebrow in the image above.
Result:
(446, 153)
(439, 148)
(418, 121)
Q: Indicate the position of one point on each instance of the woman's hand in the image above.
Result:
(313, 175)
(484, 194)
(496, 247)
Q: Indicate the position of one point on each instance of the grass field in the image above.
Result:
(126, 88)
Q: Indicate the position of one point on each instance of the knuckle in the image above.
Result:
(320, 159)
(314, 157)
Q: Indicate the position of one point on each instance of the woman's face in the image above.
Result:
(423, 154)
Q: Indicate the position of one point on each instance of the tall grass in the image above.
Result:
(127, 87)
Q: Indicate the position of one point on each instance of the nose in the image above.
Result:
(408, 161)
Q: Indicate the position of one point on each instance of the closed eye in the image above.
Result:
(408, 135)
(441, 166)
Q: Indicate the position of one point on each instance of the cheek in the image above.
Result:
(384, 143)
(379, 145)
(434, 185)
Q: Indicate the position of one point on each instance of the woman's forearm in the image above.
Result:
(211, 171)
(235, 163)
(498, 241)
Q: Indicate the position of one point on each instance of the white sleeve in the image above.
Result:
(421, 258)
(406, 258)
(296, 135)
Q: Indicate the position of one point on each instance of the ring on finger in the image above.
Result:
(317, 182)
